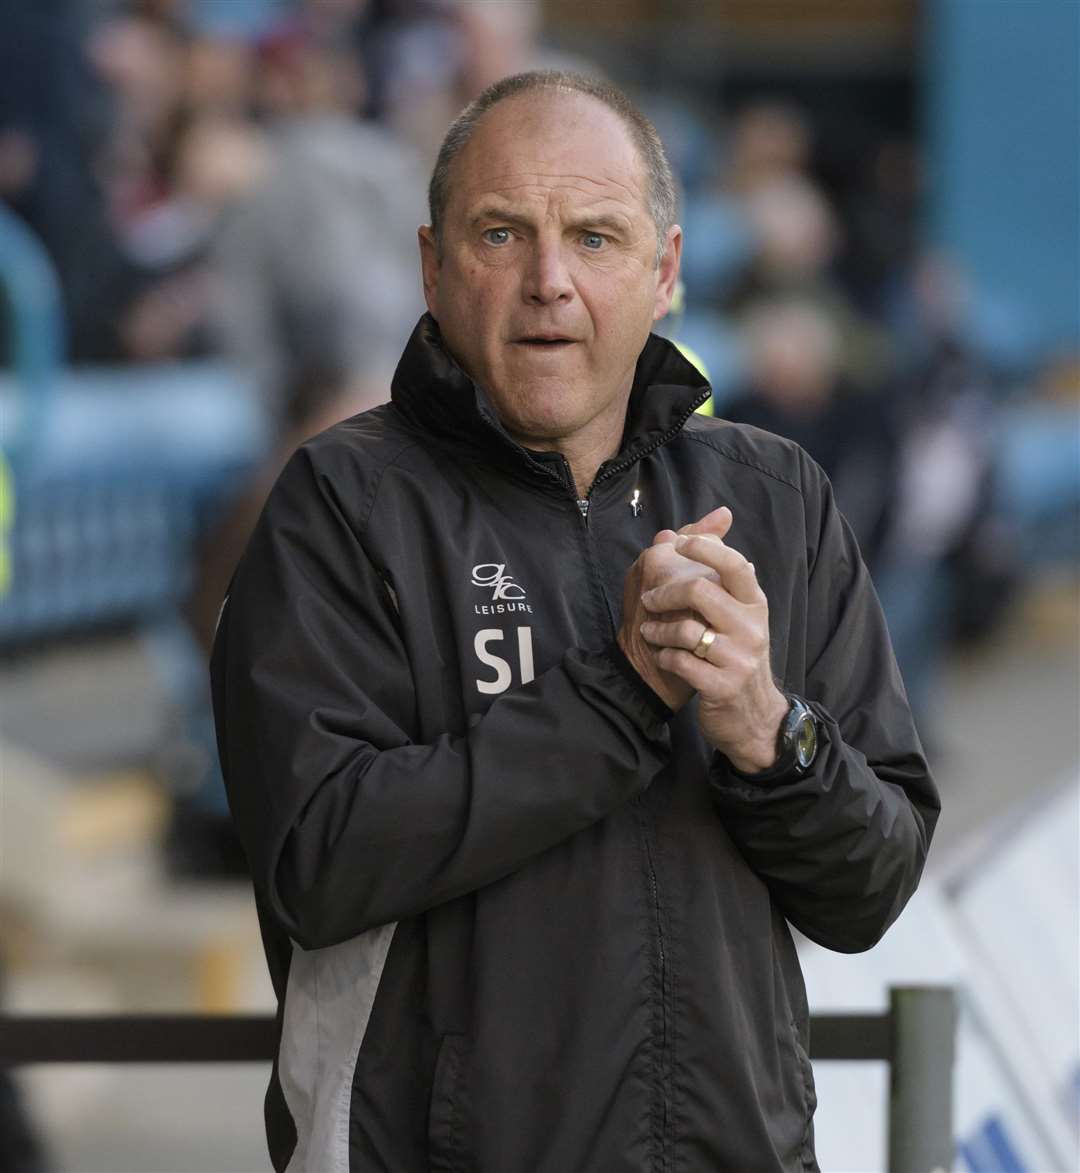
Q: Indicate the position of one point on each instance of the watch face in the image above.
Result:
(806, 741)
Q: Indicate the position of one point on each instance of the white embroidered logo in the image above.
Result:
(494, 576)
(507, 597)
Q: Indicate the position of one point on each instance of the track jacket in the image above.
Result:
(521, 919)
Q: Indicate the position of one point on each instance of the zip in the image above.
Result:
(583, 504)
(610, 470)
(604, 473)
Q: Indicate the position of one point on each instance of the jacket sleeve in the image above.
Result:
(347, 822)
(842, 848)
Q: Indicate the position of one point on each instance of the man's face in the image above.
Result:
(546, 284)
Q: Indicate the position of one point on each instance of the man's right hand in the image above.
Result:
(656, 565)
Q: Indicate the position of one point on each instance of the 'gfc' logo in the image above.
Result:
(503, 587)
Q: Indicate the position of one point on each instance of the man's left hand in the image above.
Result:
(740, 709)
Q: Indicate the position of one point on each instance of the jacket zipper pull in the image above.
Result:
(583, 505)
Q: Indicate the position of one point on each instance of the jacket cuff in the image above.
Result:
(657, 709)
(754, 787)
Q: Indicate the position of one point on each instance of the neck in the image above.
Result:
(584, 465)
(586, 449)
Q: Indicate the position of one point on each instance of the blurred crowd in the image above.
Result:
(244, 175)
(244, 178)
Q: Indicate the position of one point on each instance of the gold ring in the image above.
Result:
(703, 644)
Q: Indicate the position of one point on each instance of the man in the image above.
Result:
(526, 808)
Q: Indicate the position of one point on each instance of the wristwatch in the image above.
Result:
(796, 744)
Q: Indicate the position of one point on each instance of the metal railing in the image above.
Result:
(916, 1037)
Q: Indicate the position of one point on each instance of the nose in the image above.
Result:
(547, 277)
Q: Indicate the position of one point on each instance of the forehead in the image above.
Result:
(538, 141)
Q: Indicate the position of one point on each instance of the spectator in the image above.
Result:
(796, 389)
(54, 118)
(313, 262)
(795, 235)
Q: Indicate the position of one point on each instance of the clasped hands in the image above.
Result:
(683, 585)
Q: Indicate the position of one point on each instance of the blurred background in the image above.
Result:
(207, 253)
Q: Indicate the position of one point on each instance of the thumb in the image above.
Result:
(717, 523)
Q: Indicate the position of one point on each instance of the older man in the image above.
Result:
(533, 768)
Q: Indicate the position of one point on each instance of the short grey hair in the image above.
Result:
(660, 198)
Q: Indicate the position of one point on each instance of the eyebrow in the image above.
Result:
(493, 212)
(616, 224)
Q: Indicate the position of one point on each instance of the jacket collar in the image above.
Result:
(435, 394)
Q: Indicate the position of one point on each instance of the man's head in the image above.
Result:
(552, 250)
(660, 197)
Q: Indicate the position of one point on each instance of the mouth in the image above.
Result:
(545, 341)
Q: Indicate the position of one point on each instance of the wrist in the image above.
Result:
(657, 704)
(797, 745)
(641, 657)
(757, 761)
(763, 752)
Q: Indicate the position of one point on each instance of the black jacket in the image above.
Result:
(519, 918)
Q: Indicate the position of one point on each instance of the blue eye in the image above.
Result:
(593, 241)
(497, 235)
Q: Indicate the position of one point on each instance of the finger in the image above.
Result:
(717, 522)
(685, 633)
(740, 626)
(704, 598)
(674, 616)
(664, 537)
(702, 676)
(735, 578)
(735, 573)
(659, 562)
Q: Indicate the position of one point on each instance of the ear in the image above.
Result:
(668, 272)
(430, 264)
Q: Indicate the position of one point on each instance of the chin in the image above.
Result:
(546, 414)
(533, 430)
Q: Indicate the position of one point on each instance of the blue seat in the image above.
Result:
(115, 469)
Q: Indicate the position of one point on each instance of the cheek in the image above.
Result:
(461, 310)
(625, 318)
(482, 297)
